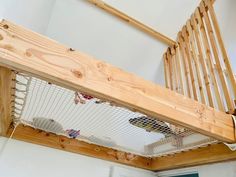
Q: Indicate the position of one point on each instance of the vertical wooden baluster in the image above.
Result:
(188, 54)
(217, 59)
(166, 70)
(221, 44)
(203, 64)
(195, 59)
(170, 69)
(209, 59)
(175, 72)
(185, 62)
(179, 69)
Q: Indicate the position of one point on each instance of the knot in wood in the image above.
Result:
(71, 49)
(77, 73)
(5, 26)
(100, 65)
(28, 54)
(97, 149)
(109, 78)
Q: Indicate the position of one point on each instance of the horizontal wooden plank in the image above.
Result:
(205, 155)
(24, 50)
(31, 135)
(139, 25)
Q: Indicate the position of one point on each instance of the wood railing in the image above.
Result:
(198, 65)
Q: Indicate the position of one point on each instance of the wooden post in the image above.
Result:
(7, 85)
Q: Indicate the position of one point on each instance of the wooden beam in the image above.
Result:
(26, 51)
(205, 155)
(39, 137)
(6, 86)
(133, 22)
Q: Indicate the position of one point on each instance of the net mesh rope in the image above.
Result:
(100, 122)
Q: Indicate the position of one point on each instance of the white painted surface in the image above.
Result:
(126, 172)
(19, 159)
(93, 31)
(33, 14)
(226, 14)
(226, 169)
(82, 26)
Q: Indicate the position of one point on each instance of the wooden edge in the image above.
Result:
(39, 137)
(7, 85)
(206, 155)
(133, 22)
(26, 51)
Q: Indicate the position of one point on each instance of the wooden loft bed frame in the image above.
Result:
(25, 51)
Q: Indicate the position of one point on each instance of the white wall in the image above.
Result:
(93, 31)
(226, 14)
(89, 29)
(19, 159)
(226, 169)
(33, 14)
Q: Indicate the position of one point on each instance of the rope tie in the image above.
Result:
(2, 149)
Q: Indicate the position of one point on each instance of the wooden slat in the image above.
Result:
(209, 5)
(31, 135)
(166, 71)
(179, 70)
(209, 60)
(202, 61)
(175, 72)
(188, 55)
(133, 22)
(6, 97)
(205, 155)
(217, 59)
(34, 54)
(170, 63)
(185, 63)
(195, 59)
